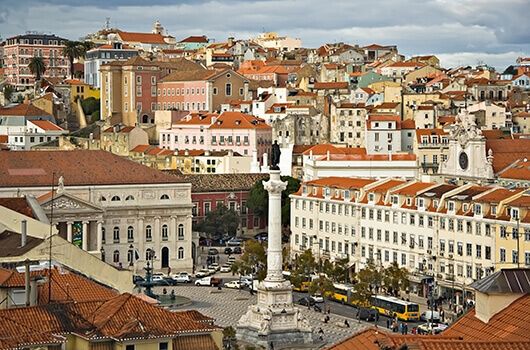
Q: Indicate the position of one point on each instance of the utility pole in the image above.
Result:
(50, 243)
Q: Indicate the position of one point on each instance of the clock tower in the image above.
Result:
(467, 158)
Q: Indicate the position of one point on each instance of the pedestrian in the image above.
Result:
(401, 328)
(326, 319)
(388, 323)
(320, 331)
(394, 326)
(271, 346)
(405, 328)
(329, 309)
(377, 317)
(346, 323)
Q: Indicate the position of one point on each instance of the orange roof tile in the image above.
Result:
(384, 187)
(520, 170)
(507, 151)
(497, 195)
(238, 120)
(148, 38)
(47, 125)
(407, 64)
(413, 188)
(330, 85)
(322, 149)
(341, 182)
(522, 202)
(430, 132)
(408, 124)
(23, 109)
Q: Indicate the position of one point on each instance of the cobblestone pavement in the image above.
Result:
(228, 305)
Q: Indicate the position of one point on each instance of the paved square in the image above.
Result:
(228, 305)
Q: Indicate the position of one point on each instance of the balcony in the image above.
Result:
(427, 165)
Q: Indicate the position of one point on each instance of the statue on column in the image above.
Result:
(275, 156)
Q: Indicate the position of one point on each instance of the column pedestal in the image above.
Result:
(274, 318)
(85, 235)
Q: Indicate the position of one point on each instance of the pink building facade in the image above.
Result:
(190, 96)
(235, 131)
(19, 50)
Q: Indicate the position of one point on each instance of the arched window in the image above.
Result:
(130, 256)
(148, 233)
(129, 198)
(116, 256)
(149, 254)
(180, 253)
(164, 196)
(116, 234)
(228, 89)
(181, 232)
(103, 235)
(164, 232)
(130, 234)
(115, 199)
(103, 199)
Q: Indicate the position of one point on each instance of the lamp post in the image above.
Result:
(102, 251)
(131, 252)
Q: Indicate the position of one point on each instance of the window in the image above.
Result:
(148, 233)
(129, 347)
(164, 196)
(129, 198)
(515, 256)
(115, 199)
(215, 91)
(502, 255)
(164, 232)
(163, 346)
(116, 256)
(181, 232)
(180, 253)
(116, 234)
(130, 234)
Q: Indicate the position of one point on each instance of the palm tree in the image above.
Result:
(37, 67)
(72, 50)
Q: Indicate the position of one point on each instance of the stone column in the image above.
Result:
(141, 238)
(85, 235)
(274, 250)
(99, 238)
(157, 237)
(69, 231)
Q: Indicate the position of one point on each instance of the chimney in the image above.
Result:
(23, 232)
(34, 291)
(26, 282)
(327, 155)
(230, 40)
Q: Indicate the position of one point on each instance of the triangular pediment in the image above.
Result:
(67, 203)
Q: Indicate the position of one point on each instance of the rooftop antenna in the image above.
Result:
(50, 245)
(107, 23)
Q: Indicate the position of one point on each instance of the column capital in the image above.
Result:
(85, 222)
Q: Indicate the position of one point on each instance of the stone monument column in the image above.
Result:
(274, 318)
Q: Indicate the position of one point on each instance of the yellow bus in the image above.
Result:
(304, 287)
(343, 293)
(391, 306)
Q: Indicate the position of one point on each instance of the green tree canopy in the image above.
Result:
(322, 285)
(258, 199)
(75, 49)
(37, 67)
(8, 92)
(219, 222)
(395, 278)
(253, 261)
(337, 271)
(90, 105)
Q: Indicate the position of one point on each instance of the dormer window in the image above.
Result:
(394, 199)
(465, 207)
(304, 189)
(478, 209)
(421, 202)
(514, 213)
(314, 191)
(371, 197)
(327, 191)
(435, 203)
(347, 194)
(451, 206)
(409, 201)
(494, 210)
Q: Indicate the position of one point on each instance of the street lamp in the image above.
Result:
(131, 255)
(102, 252)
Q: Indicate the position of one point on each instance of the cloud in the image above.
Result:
(448, 27)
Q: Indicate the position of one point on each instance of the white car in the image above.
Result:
(225, 268)
(233, 284)
(429, 316)
(202, 273)
(214, 266)
(157, 277)
(317, 298)
(182, 277)
(434, 328)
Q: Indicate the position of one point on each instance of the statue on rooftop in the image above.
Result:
(275, 156)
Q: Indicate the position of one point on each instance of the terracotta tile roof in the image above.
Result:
(330, 85)
(191, 75)
(147, 38)
(439, 190)
(121, 129)
(371, 157)
(407, 64)
(197, 119)
(430, 132)
(195, 39)
(368, 90)
(384, 117)
(387, 105)
(469, 193)
(408, 124)
(341, 182)
(521, 202)
(413, 188)
(446, 120)
(510, 324)
(497, 195)
(384, 187)
(201, 183)
(300, 149)
(79, 168)
(46, 125)
(4, 138)
(18, 204)
(507, 151)
(23, 109)
(520, 170)
(238, 120)
(10, 244)
(198, 342)
(141, 148)
(323, 149)
(496, 134)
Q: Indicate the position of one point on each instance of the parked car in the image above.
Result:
(225, 268)
(231, 258)
(138, 279)
(306, 301)
(429, 316)
(233, 284)
(235, 241)
(318, 298)
(202, 273)
(262, 236)
(208, 281)
(213, 251)
(182, 277)
(366, 314)
(237, 250)
(434, 328)
(228, 250)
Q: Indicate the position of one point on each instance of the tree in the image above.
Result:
(219, 222)
(229, 338)
(90, 105)
(253, 261)
(368, 280)
(258, 199)
(37, 67)
(395, 278)
(75, 49)
(8, 92)
(337, 271)
(322, 285)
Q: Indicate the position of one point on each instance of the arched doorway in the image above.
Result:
(145, 119)
(165, 257)
(194, 253)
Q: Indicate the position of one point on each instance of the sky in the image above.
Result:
(460, 32)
